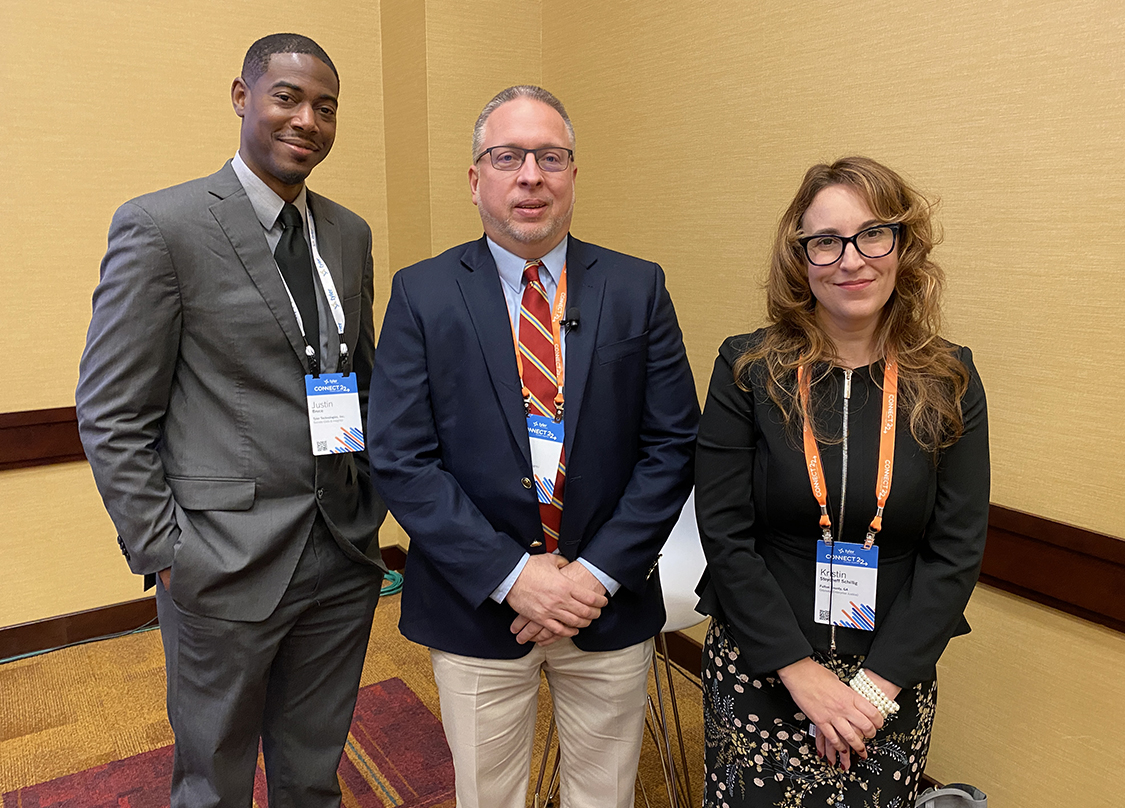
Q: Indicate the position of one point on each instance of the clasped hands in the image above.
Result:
(844, 719)
(554, 598)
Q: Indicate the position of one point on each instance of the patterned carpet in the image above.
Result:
(85, 728)
(395, 756)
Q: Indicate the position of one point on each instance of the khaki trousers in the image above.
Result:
(488, 711)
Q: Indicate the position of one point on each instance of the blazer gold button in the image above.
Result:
(320, 493)
(526, 482)
(537, 544)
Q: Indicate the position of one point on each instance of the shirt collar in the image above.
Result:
(510, 266)
(267, 204)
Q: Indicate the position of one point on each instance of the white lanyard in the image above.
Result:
(329, 287)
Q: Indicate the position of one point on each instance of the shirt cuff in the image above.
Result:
(501, 592)
(611, 586)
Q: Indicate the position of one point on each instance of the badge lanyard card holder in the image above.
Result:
(335, 423)
(847, 574)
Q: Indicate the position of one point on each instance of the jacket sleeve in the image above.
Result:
(441, 520)
(124, 383)
(737, 587)
(627, 545)
(926, 612)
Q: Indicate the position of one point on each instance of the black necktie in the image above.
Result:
(293, 258)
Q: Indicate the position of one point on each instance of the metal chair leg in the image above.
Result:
(652, 723)
(676, 717)
(672, 783)
(555, 783)
(539, 800)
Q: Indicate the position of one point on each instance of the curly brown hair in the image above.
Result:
(932, 380)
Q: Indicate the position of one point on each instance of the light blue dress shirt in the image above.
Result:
(510, 267)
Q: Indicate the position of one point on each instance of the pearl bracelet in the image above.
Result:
(861, 683)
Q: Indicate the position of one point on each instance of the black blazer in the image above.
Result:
(450, 453)
(758, 521)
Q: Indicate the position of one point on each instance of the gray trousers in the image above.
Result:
(290, 680)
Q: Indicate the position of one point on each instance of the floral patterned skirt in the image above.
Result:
(759, 752)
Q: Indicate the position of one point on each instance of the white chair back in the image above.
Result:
(681, 565)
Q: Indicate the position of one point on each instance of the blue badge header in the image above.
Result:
(328, 384)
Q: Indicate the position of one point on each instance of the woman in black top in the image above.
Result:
(800, 712)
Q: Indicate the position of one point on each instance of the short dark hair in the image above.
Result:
(257, 59)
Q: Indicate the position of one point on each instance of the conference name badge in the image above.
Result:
(334, 420)
(546, 436)
(847, 576)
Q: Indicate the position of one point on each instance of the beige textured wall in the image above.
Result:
(57, 545)
(697, 120)
(442, 61)
(123, 98)
(1029, 706)
(474, 51)
(407, 134)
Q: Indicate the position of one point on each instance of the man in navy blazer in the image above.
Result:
(451, 456)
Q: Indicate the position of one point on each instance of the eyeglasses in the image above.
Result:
(874, 242)
(511, 158)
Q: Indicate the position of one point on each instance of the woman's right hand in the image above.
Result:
(843, 718)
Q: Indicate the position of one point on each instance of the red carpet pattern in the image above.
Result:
(396, 755)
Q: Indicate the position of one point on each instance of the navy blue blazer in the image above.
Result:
(450, 454)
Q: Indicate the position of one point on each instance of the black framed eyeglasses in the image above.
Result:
(510, 158)
(874, 242)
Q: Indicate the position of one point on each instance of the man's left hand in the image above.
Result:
(578, 573)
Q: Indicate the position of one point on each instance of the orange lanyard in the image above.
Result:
(886, 453)
(556, 335)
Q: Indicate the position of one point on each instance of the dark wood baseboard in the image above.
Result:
(685, 651)
(55, 632)
(1068, 568)
(39, 438)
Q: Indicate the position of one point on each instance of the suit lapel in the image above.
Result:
(330, 247)
(235, 216)
(585, 287)
(480, 288)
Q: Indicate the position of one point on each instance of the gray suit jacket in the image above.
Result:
(191, 399)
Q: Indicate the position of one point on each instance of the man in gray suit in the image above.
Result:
(221, 302)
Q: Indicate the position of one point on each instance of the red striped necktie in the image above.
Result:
(538, 350)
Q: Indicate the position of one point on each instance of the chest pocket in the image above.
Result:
(616, 351)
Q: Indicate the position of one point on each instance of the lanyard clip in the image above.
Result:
(876, 526)
(558, 413)
(314, 360)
